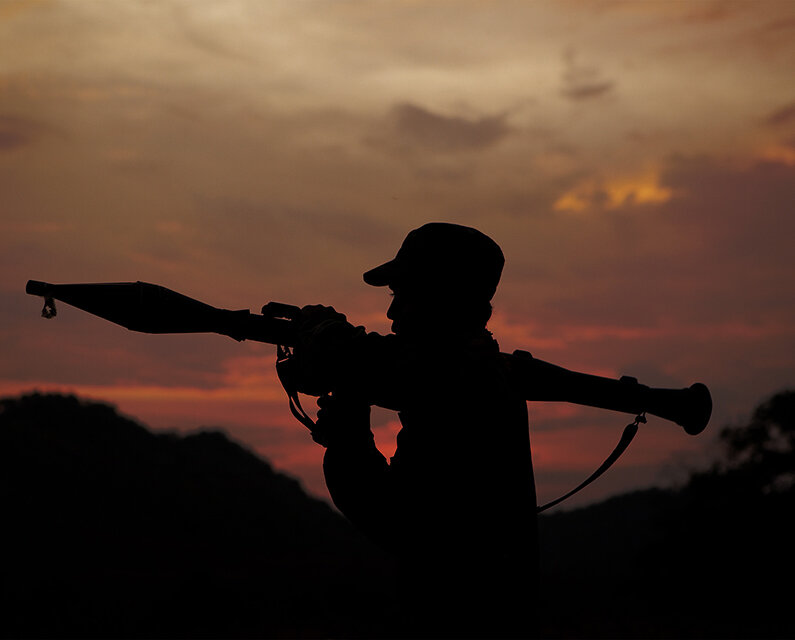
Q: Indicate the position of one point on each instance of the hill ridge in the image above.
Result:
(111, 530)
(190, 531)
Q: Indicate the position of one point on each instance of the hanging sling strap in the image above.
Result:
(283, 355)
(629, 433)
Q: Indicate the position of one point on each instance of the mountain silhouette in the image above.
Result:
(711, 559)
(111, 530)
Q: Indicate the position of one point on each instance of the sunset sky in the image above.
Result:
(635, 161)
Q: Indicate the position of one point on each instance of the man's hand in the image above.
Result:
(314, 315)
(341, 421)
(323, 337)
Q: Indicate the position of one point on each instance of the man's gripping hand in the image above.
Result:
(324, 336)
(342, 420)
(314, 315)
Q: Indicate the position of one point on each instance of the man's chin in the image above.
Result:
(409, 330)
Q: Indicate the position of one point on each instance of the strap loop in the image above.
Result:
(283, 355)
(629, 433)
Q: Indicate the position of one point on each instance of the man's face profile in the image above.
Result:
(404, 309)
(416, 309)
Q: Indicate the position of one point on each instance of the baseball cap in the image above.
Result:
(441, 254)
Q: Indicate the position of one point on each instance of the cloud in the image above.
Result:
(583, 82)
(580, 90)
(708, 12)
(437, 132)
(593, 194)
(17, 132)
(781, 116)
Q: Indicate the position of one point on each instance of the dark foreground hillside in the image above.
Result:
(713, 559)
(110, 530)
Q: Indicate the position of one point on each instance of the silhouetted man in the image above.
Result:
(456, 503)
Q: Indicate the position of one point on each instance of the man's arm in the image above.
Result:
(359, 368)
(357, 474)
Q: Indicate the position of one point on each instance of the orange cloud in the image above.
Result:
(782, 154)
(614, 193)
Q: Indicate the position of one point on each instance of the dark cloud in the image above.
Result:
(447, 133)
(781, 116)
(777, 31)
(582, 91)
(17, 132)
(708, 12)
(581, 82)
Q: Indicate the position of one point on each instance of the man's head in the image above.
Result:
(442, 271)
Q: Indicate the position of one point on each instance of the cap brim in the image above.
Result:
(382, 275)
